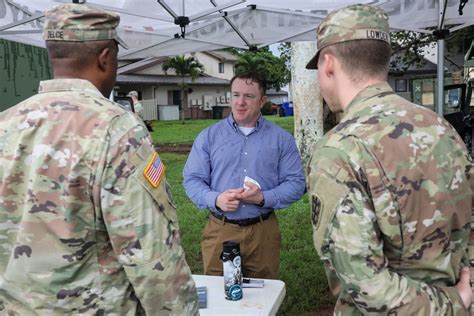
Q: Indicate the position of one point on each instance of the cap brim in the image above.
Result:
(121, 42)
(313, 63)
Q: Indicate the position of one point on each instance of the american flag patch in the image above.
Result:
(154, 170)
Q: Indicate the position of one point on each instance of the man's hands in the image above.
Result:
(229, 200)
(253, 195)
(464, 287)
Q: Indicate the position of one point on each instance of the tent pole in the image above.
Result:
(440, 78)
(440, 68)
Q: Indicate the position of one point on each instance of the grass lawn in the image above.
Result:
(301, 269)
(166, 132)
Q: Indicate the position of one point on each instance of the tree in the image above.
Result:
(273, 68)
(408, 46)
(183, 67)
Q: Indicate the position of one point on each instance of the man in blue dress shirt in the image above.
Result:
(242, 169)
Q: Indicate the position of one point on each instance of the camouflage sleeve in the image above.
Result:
(141, 221)
(348, 240)
(470, 247)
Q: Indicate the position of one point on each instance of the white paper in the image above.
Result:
(248, 179)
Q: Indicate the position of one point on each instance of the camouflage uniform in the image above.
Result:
(83, 230)
(391, 197)
(390, 190)
(138, 107)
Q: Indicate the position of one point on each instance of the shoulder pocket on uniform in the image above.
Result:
(324, 204)
(151, 175)
(327, 189)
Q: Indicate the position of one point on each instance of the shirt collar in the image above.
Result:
(367, 93)
(56, 85)
(233, 123)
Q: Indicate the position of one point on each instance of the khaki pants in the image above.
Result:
(259, 247)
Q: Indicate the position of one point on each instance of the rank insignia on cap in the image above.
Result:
(154, 170)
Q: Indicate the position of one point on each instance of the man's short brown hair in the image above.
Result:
(361, 59)
(254, 77)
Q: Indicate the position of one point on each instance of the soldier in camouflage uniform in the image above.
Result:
(136, 104)
(390, 186)
(87, 222)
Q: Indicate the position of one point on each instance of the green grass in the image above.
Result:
(165, 132)
(300, 269)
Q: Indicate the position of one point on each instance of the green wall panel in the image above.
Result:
(22, 67)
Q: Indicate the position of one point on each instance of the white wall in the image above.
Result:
(211, 66)
(161, 92)
(214, 91)
(210, 63)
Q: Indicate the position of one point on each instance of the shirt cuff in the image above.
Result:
(211, 198)
(270, 199)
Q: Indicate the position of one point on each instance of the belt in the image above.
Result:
(243, 222)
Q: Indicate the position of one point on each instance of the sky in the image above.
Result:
(274, 49)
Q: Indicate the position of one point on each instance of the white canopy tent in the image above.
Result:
(150, 30)
(168, 27)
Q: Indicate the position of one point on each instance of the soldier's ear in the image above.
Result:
(104, 59)
(327, 64)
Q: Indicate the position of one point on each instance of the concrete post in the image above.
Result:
(307, 101)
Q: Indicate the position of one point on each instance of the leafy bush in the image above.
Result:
(267, 108)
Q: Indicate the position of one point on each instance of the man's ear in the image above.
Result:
(103, 59)
(263, 100)
(329, 64)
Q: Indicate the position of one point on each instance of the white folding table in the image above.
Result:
(255, 301)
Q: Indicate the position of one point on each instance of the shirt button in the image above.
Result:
(245, 170)
(243, 205)
(245, 153)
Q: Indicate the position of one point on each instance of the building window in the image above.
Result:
(400, 85)
(221, 68)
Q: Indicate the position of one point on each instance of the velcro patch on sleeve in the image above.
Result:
(316, 206)
(155, 170)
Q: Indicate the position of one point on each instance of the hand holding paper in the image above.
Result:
(252, 192)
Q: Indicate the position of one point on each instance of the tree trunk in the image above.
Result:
(181, 101)
(181, 105)
(307, 101)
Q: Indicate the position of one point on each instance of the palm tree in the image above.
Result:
(183, 67)
(250, 62)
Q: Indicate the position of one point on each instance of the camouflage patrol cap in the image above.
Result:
(72, 22)
(354, 22)
(133, 94)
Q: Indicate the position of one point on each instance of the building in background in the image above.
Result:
(208, 96)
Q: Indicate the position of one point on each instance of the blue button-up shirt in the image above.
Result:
(222, 156)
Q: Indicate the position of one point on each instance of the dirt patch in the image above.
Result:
(324, 311)
(173, 148)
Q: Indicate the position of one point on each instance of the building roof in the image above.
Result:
(152, 61)
(273, 92)
(222, 55)
(140, 65)
(166, 79)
